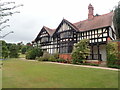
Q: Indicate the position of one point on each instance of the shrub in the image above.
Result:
(4, 52)
(52, 58)
(45, 57)
(112, 54)
(81, 51)
(13, 51)
(61, 60)
(23, 49)
(114, 66)
(33, 53)
(56, 55)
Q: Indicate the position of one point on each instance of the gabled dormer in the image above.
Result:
(43, 35)
(65, 25)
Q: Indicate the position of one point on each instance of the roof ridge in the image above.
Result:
(93, 18)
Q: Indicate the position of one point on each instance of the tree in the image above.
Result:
(112, 55)
(23, 49)
(33, 53)
(80, 51)
(116, 20)
(14, 52)
(5, 51)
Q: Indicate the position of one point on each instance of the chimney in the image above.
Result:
(90, 12)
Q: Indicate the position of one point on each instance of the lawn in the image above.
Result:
(18, 73)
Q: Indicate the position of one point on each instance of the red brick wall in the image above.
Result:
(66, 57)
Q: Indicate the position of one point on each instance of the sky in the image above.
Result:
(38, 13)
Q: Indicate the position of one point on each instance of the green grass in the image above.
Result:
(22, 55)
(29, 74)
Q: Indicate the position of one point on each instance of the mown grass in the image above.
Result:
(22, 55)
(29, 74)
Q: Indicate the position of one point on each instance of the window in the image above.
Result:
(66, 34)
(44, 39)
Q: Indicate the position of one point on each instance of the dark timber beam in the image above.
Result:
(98, 52)
(92, 52)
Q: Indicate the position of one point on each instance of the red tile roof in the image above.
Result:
(88, 24)
(50, 31)
(96, 22)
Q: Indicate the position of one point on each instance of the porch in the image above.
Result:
(94, 57)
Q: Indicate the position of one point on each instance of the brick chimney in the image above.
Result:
(90, 11)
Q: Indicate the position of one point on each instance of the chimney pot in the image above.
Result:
(90, 11)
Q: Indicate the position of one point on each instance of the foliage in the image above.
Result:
(13, 51)
(52, 58)
(91, 64)
(116, 20)
(61, 60)
(5, 51)
(33, 53)
(45, 57)
(81, 51)
(56, 55)
(23, 49)
(112, 53)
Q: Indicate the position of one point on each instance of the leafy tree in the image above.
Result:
(23, 49)
(81, 51)
(4, 50)
(112, 53)
(14, 52)
(33, 53)
(19, 46)
(116, 20)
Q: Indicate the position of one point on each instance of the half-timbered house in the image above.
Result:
(98, 29)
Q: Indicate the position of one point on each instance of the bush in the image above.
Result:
(56, 55)
(114, 66)
(80, 51)
(23, 49)
(5, 53)
(61, 60)
(13, 51)
(112, 54)
(52, 58)
(33, 53)
(45, 57)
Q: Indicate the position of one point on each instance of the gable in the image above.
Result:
(64, 27)
(42, 33)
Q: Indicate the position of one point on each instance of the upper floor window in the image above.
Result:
(44, 39)
(64, 27)
(66, 34)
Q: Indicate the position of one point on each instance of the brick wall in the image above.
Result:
(66, 57)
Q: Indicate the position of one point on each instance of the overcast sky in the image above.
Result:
(36, 13)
